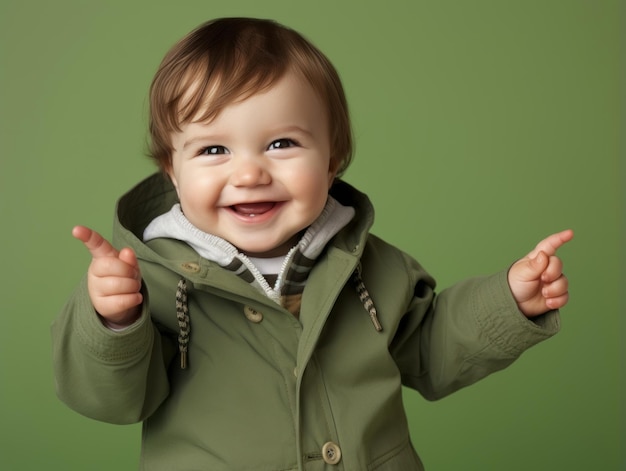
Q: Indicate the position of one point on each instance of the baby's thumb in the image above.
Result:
(128, 256)
(532, 268)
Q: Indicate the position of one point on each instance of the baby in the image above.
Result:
(251, 320)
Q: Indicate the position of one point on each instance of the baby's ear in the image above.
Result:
(169, 172)
(332, 172)
(331, 179)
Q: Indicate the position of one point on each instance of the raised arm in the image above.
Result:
(110, 360)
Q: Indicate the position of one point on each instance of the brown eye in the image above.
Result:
(213, 150)
(282, 144)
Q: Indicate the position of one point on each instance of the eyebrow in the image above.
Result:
(195, 140)
(293, 128)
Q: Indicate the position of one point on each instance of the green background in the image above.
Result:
(481, 127)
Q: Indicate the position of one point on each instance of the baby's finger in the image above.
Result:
(115, 308)
(556, 288)
(97, 245)
(553, 271)
(112, 266)
(113, 286)
(551, 244)
(558, 302)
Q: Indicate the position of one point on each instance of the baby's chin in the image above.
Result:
(263, 251)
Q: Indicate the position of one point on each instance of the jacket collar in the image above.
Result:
(295, 267)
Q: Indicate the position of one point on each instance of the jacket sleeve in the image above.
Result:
(470, 330)
(117, 377)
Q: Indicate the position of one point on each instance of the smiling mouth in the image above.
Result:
(252, 210)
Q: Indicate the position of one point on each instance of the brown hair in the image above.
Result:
(229, 59)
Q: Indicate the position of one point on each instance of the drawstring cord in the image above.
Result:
(182, 314)
(365, 298)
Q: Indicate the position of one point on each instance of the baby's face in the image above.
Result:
(259, 173)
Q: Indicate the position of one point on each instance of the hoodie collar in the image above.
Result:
(295, 266)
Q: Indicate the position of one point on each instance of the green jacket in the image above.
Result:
(266, 391)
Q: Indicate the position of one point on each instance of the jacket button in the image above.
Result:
(252, 314)
(190, 267)
(331, 453)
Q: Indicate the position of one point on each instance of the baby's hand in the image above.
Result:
(113, 279)
(537, 280)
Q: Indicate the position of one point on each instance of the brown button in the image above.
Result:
(252, 314)
(190, 267)
(331, 453)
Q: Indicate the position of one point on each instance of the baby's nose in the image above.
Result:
(249, 172)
